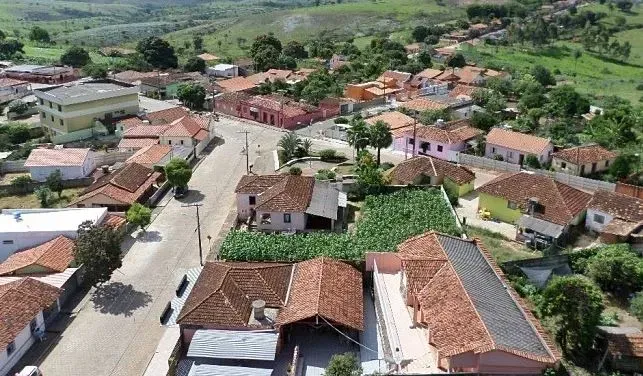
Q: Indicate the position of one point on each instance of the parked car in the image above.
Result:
(30, 371)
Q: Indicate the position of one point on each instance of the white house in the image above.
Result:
(26, 228)
(188, 131)
(73, 163)
(24, 305)
(223, 70)
(614, 215)
(581, 160)
(515, 147)
(289, 203)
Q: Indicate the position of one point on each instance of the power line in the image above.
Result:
(198, 228)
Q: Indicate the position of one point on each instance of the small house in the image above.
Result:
(515, 147)
(441, 140)
(616, 217)
(223, 70)
(72, 163)
(582, 160)
(456, 179)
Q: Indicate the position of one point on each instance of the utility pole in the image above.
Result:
(414, 135)
(198, 228)
(247, 152)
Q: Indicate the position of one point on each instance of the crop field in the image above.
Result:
(387, 220)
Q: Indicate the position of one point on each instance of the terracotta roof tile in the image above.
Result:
(394, 119)
(114, 221)
(449, 133)
(166, 116)
(136, 143)
(150, 155)
(409, 171)
(430, 73)
(126, 185)
(187, 126)
(462, 90)
(328, 288)
(618, 205)
(57, 157)
(517, 141)
(20, 302)
(423, 104)
(585, 154)
(560, 202)
(291, 194)
(130, 122)
(630, 344)
(256, 184)
(235, 84)
(145, 131)
(131, 75)
(223, 294)
(55, 255)
(7, 82)
(270, 75)
(399, 77)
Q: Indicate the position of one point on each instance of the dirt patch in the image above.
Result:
(7, 178)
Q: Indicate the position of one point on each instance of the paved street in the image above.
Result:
(116, 330)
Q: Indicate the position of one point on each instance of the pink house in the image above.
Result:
(514, 147)
(441, 140)
(281, 112)
(449, 292)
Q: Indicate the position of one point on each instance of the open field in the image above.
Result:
(30, 201)
(52, 54)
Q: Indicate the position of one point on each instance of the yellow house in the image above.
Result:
(456, 179)
(77, 106)
(531, 200)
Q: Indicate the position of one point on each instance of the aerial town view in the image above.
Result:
(321, 187)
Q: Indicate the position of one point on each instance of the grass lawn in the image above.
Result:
(501, 248)
(591, 74)
(30, 201)
(52, 54)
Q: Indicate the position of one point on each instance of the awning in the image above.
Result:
(541, 226)
(324, 201)
(234, 344)
(213, 370)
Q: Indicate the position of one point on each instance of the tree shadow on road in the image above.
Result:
(116, 298)
(193, 196)
(149, 237)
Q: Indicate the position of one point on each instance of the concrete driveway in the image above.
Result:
(115, 328)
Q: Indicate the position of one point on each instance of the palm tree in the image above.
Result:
(306, 145)
(357, 134)
(289, 143)
(380, 137)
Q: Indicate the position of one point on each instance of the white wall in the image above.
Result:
(513, 156)
(297, 222)
(187, 141)
(593, 225)
(573, 169)
(23, 342)
(243, 205)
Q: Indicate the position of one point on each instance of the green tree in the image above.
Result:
(266, 58)
(369, 177)
(38, 34)
(575, 303)
(432, 40)
(18, 107)
(157, 53)
(380, 136)
(483, 120)
(420, 33)
(21, 182)
(532, 161)
(289, 143)
(542, 75)
(3, 36)
(98, 249)
(178, 172)
(456, 60)
(197, 42)
(95, 70)
(636, 306)
(577, 55)
(10, 48)
(294, 171)
(76, 57)
(424, 58)
(192, 94)
(432, 116)
(617, 269)
(139, 215)
(357, 135)
(623, 166)
(55, 182)
(194, 64)
(319, 85)
(44, 196)
(567, 102)
(295, 50)
(345, 364)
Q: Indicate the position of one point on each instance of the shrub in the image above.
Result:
(639, 87)
(18, 106)
(616, 269)
(21, 182)
(341, 120)
(328, 154)
(498, 157)
(325, 174)
(636, 305)
(294, 170)
(44, 196)
(532, 161)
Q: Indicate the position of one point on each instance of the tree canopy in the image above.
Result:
(192, 94)
(38, 34)
(194, 64)
(380, 137)
(55, 182)
(343, 365)
(157, 52)
(178, 172)
(76, 57)
(295, 50)
(617, 269)
(139, 215)
(98, 248)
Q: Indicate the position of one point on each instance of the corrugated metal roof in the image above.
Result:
(324, 201)
(234, 344)
(179, 301)
(212, 370)
(541, 226)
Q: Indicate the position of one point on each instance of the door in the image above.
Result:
(582, 169)
(593, 168)
(521, 159)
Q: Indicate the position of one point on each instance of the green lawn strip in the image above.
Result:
(501, 248)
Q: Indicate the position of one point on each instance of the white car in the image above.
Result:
(30, 371)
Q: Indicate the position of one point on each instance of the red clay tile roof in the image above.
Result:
(407, 172)
(270, 75)
(54, 255)
(131, 75)
(450, 133)
(114, 221)
(291, 194)
(57, 157)
(517, 141)
(133, 143)
(561, 203)
(430, 73)
(394, 119)
(328, 288)
(287, 107)
(150, 155)
(462, 90)
(166, 116)
(7, 82)
(618, 205)
(20, 302)
(130, 122)
(145, 131)
(187, 126)
(400, 77)
(423, 104)
(630, 344)
(127, 185)
(223, 294)
(235, 84)
(585, 154)
(256, 184)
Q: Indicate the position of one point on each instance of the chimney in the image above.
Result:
(533, 203)
(258, 307)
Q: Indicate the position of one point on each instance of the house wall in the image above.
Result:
(186, 141)
(297, 222)
(23, 342)
(243, 206)
(273, 117)
(102, 201)
(454, 188)
(40, 173)
(574, 169)
(22, 240)
(496, 362)
(64, 75)
(593, 225)
(404, 144)
(513, 155)
(387, 262)
(498, 208)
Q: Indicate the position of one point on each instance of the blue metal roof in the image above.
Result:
(212, 370)
(233, 344)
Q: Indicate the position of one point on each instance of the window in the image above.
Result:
(599, 218)
(493, 150)
(512, 205)
(60, 108)
(62, 123)
(607, 163)
(169, 142)
(52, 118)
(440, 148)
(252, 200)
(11, 347)
(7, 242)
(510, 155)
(265, 219)
(42, 115)
(286, 217)
(41, 101)
(33, 325)
(80, 205)
(563, 165)
(411, 141)
(181, 142)
(51, 105)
